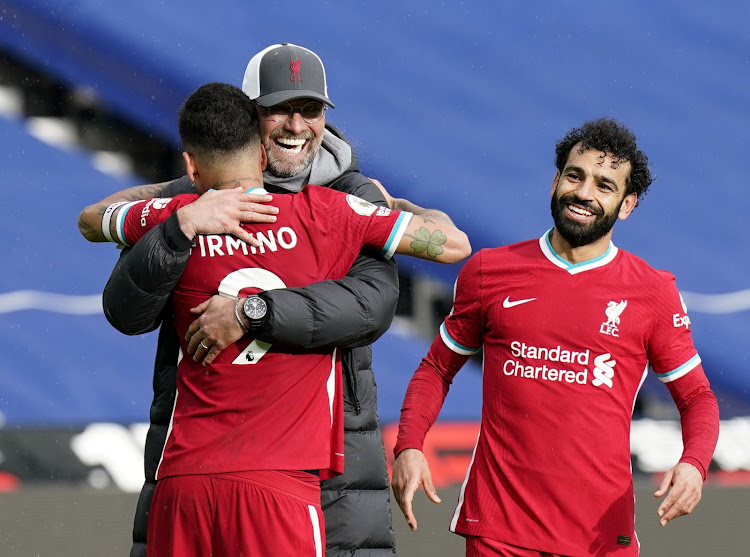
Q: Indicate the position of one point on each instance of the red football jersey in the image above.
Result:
(256, 407)
(566, 350)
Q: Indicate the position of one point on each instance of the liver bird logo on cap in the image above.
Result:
(295, 67)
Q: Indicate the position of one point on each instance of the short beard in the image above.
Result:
(575, 233)
(281, 166)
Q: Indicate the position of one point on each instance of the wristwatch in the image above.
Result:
(255, 309)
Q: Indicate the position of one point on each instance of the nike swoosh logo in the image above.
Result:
(508, 304)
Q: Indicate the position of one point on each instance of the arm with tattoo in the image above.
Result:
(435, 239)
(90, 219)
(430, 215)
(400, 204)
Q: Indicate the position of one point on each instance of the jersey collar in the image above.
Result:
(574, 268)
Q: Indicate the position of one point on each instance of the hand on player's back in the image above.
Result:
(216, 328)
(222, 211)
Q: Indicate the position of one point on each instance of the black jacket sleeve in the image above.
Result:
(353, 311)
(143, 278)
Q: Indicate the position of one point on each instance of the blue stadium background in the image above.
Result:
(454, 105)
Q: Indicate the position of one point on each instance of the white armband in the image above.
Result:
(107, 217)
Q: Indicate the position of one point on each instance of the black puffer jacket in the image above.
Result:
(351, 313)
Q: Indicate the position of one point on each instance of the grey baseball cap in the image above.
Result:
(283, 72)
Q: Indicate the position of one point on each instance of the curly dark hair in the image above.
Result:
(218, 119)
(608, 136)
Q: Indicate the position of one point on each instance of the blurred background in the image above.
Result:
(453, 105)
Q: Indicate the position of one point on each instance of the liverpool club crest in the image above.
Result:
(613, 312)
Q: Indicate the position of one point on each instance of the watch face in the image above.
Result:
(255, 307)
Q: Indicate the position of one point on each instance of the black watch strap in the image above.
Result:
(256, 324)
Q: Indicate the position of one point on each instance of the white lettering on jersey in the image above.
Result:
(556, 354)
(603, 372)
(235, 245)
(145, 211)
(680, 321)
(286, 237)
(216, 245)
(517, 369)
(161, 202)
(157, 203)
(269, 240)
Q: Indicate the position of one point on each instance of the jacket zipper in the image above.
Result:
(351, 384)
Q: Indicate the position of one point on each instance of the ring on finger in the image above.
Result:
(205, 347)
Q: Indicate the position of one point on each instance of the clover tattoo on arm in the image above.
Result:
(426, 240)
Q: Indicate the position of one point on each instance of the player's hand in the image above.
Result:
(222, 211)
(409, 472)
(214, 329)
(684, 494)
(385, 193)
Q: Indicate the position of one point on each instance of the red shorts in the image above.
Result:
(485, 547)
(236, 514)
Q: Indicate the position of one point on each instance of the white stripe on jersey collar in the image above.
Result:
(254, 189)
(574, 268)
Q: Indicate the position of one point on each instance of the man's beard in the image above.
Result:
(576, 233)
(283, 166)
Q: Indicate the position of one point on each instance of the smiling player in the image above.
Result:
(570, 325)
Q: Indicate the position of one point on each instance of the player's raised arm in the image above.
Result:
(214, 212)
(90, 219)
(126, 222)
(428, 237)
(431, 233)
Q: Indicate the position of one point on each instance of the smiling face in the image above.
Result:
(291, 145)
(589, 195)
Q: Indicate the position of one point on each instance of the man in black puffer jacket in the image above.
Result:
(350, 313)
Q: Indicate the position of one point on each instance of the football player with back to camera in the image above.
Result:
(569, 325)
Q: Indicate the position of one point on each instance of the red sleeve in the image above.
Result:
(699, 417)
(361, 224)
(678, 365)
(138, 217)
(671, 352)
(463, 329)
(425, 395)
(460, 337)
